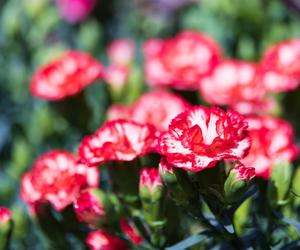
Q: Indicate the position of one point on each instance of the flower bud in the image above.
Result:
(95, 207)
(238, 182)
(100, 240)
(131, 232)
(121, 52)
(279, 184)
(5, 227)
(151, 193)
(116, 76)
(150, 183)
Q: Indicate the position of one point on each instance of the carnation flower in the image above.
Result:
(66, 76)
(100, 240)
(197, 139)
(280, 66)
(117, 140)
(272, 142)
(180, 62)
(158, 108)
(233, 83)
(56, 177)
(121, 52)
(74, 11)
(5, 215)
(131, 232)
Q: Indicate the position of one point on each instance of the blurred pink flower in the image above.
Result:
(231, 83)
(121, 51)
(66, 76)
(74, 11)
(181, 61)
(272, 142)
(100, 240)
(154, 108)
(116, 75)
(5, 215)
(56, 177)
(280, 66)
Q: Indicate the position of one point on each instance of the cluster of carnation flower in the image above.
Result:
(193, 138)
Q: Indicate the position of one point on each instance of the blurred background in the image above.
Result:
(32, 32)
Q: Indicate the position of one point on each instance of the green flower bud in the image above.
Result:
(237, 182)
(5, 227)
(96, 207)
(151, 194)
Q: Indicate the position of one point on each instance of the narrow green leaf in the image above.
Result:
(190, 241)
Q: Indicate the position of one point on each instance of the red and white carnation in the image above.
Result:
(272, 142)
(280, 66)
(118, 140)
(56, 177)
(180, 62)
(233, 83)
(65, 76)
(158, 108)
(197, 139)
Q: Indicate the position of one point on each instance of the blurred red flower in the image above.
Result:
(158, 108)
(232, 83)
(100, 240)
(117, 140)
(131, 232)
(74, 11)
(88, 207)
(180, 62)
(66, 76)
(56, 177)
(272, 142)
(280, 66)
(5, 215)
(199, 138)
